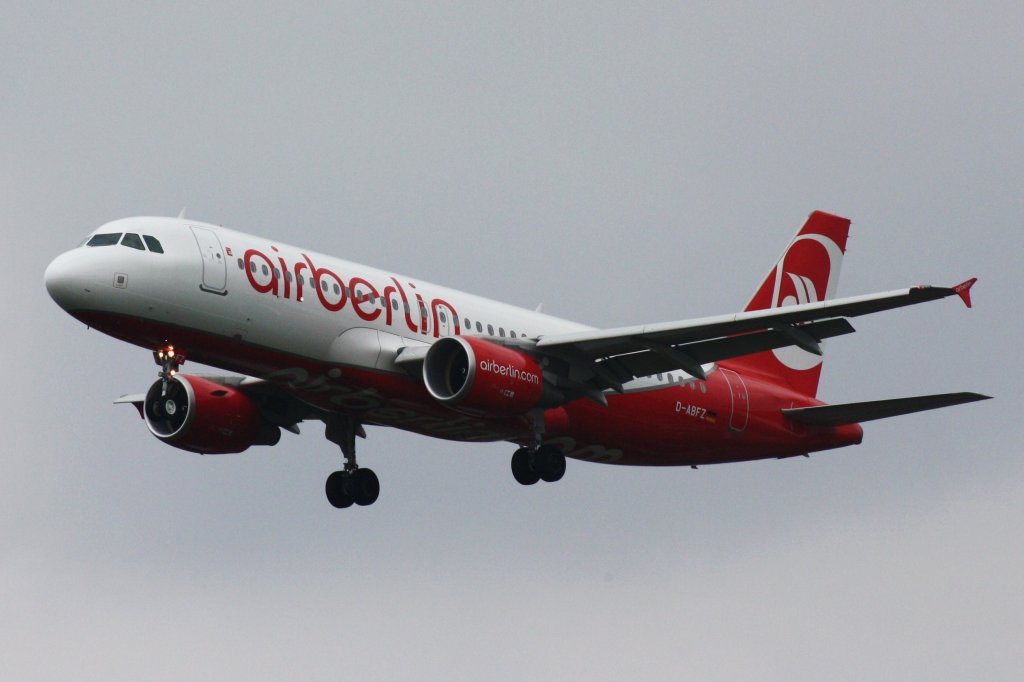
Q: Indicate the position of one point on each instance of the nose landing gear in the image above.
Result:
(169, 359)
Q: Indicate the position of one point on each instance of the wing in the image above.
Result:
(601, 359)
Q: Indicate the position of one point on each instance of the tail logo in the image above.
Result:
(804, 288)
(807, 273)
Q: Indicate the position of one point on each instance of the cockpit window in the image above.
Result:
(153, 243)
(104, 239)
(133, 240)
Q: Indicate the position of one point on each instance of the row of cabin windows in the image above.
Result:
(693, 384)
(129, 239)
(364, 297)
(490, 329)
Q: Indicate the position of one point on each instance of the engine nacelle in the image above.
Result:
(479, 377)
(200, 415)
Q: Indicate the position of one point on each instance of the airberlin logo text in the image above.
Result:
(276, 277)
(509, 371)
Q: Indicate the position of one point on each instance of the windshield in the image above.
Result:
(104, 239)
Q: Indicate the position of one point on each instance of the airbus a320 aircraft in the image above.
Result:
(317, 337)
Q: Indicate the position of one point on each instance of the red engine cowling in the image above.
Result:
(200, 415)
(479, 377)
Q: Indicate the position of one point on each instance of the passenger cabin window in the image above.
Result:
(104, 239)
(490, 330)
(134, 241)
(154, 244)
(479, 328)
(501, 332)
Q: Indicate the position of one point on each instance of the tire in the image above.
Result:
(549, 463)
(336, 488)
(365, 487)
(522, 467)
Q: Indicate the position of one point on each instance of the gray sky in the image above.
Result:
(516, 152)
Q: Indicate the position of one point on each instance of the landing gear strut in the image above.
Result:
(169, 360)
(543, 463)
(173, 402)
(352, 484)
(539, 462)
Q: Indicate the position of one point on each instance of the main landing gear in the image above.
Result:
(352, 484)
(543, 463)
(356, 485)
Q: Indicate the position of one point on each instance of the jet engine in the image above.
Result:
(480, 377)
(200, 415)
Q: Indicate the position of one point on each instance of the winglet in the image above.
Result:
(963, 290)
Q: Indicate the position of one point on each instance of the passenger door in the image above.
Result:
(215, 268)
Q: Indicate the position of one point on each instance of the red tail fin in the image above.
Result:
(807, 272)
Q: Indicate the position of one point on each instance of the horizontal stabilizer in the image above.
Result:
(854, 413)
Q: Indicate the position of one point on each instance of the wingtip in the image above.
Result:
(963, 290)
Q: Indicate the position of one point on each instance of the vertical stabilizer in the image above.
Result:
(807, 272)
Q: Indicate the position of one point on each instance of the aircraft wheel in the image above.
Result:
(549, 463)
(522, 467)
(337, 489)
(364, 486)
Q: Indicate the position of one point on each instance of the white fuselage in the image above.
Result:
(266, 294)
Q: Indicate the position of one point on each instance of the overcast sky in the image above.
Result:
(623, 164)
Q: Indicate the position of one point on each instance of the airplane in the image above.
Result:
(312, 337)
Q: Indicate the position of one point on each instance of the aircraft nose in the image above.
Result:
(65, 281)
